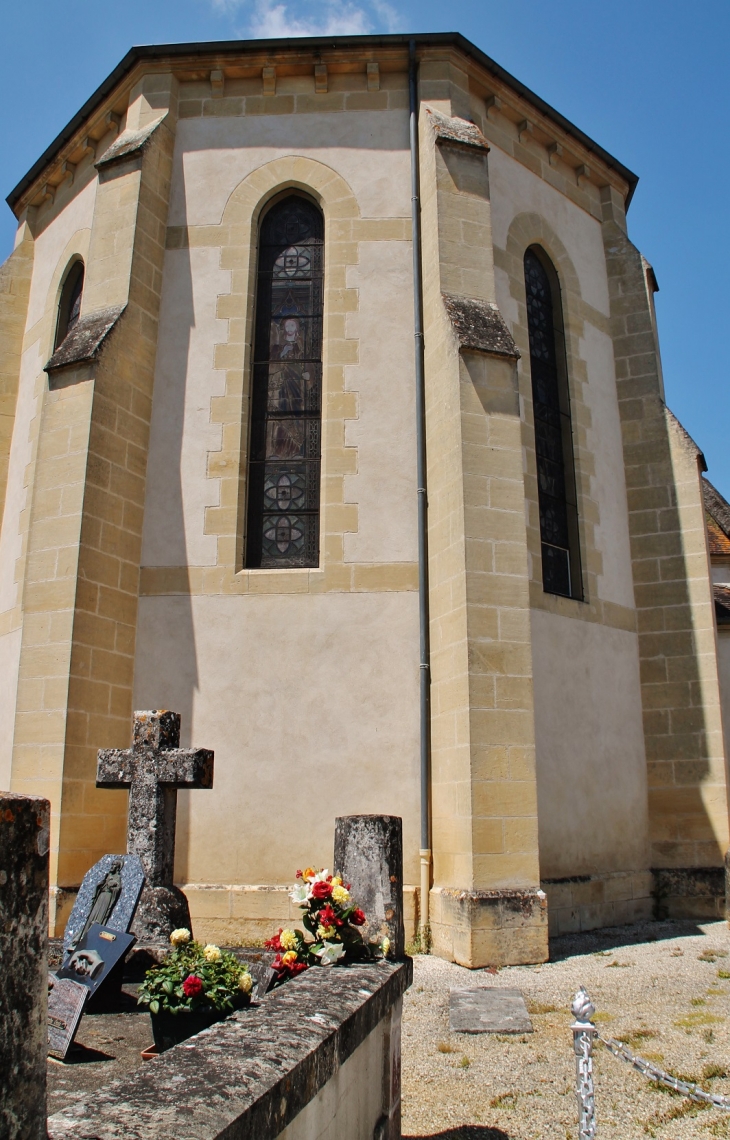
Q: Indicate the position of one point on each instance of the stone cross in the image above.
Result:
(24, 843)
(153, 769)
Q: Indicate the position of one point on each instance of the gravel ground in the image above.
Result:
(658, 987)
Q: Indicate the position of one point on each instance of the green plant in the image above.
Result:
(710, 1072)
(195, 978)
(445, 1047)
(464, 1063)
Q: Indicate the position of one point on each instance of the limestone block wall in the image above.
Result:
(677, 640)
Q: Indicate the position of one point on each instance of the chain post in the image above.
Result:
(584, 1033)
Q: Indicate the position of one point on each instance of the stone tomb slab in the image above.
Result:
(488, 1009)
(66, 1001)
(92, 894)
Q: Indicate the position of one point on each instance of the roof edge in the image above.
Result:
(426, 39)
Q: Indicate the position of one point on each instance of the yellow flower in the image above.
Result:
(385, 947)
(289, 957)
(211, 953)
(336, 881)
(308, 873)
(180, 937)
(245, 982)
(340, 895)
(288, 940)
(325, 931)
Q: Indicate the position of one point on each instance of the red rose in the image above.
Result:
(297, 967)
(321, 890)
(274, 943)
(357, 918)
(192, 986)
(328, 917)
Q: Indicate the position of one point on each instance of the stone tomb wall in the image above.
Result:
(319, 1057)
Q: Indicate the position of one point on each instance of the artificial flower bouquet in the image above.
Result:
(196, 979)
(332, 921)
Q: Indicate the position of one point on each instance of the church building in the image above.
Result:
(332, 418)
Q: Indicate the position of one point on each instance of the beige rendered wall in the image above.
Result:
(588, 717)
(304, 682)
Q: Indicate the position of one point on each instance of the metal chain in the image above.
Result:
(653, 1073)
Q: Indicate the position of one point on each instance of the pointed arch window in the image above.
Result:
(286, 407)
(69, 306)
(561, 570)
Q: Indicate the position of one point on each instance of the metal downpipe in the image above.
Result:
(425, 673)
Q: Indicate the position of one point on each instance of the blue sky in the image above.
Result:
(642, 77)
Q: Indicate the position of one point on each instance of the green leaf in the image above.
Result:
(168, 986)
(154, 1007)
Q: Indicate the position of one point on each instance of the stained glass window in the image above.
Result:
(561, 573)
(69, 307)
(286, 405)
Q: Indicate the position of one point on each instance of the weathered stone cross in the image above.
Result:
(153, 769)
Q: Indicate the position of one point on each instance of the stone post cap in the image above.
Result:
(156, 728)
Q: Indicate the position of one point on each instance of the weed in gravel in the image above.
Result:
(711, 955)
(504, 1100)
(709, 1036)
(698, 1001)
(635, 1037)
(464, 1063)
(695, 1020)
(619, 965)
(602, 1016)
(711, 1072)
(676, 952)
(538, 1007)
(723, 973)
(445, 1047)
(686, 1108)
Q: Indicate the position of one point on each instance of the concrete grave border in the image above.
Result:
(248, 1077)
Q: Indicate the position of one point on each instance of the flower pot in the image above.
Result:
(170, 1029)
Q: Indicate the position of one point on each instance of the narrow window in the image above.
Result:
(283, 472)
(69, 307)
(561, 572)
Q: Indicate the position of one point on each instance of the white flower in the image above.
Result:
(211, 953)
(301, 895)
(330, 953)
(321, 877)
(245, 982)
(180, 937)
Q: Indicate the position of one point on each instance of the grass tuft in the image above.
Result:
(446, 1047)
(504, 1100)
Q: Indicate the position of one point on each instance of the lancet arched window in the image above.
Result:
(284, 464)
(69, 306)
(561, 572)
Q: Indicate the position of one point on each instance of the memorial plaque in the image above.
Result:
(488, 1009)
(108, 896)
(66, 1001)
(96, 958)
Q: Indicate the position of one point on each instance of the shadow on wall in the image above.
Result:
(164, 679)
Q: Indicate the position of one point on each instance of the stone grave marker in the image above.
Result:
(66, 1001)
(488, 1009)
(153, 769)
(108, 895)
(369, 856)
(24, 845)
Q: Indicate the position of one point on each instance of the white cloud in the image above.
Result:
(274, 19)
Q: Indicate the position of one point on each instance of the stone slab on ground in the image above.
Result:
(488, 1009)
